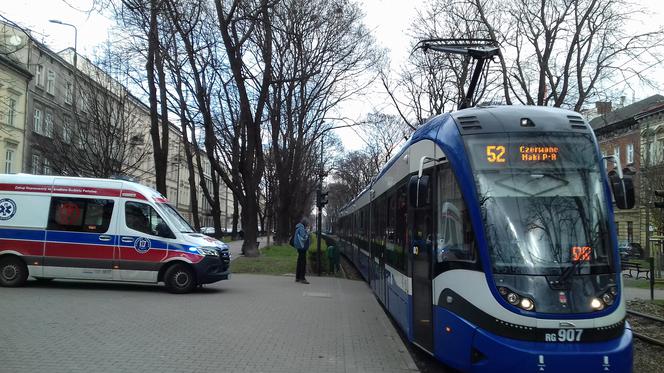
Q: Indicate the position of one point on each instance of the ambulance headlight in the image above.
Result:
(207, 251)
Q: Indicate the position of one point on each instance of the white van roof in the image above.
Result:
(78, 186)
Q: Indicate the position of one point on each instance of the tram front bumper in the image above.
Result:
(492, 353)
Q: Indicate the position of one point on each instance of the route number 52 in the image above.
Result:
(495, 153)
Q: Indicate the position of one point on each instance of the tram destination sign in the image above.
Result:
(531, 152)
(521, 153)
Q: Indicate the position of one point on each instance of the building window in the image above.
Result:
(47, 167)
(616, 151)
(630, 153)
(83, 103)
(48, 125)
(50, 82)
(35, 164)
(630, 232)
(66, 131)
(39, 72)
(9, 160)
(38, 121)
(69, 93)
(11, 111)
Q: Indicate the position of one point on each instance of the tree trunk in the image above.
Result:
(161, 167)
(216, 205)
(284, 215)
(153, 47)
(236, 215)
(250, 227)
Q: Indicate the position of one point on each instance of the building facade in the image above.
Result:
(65, 103)
(623, 133)
(14, 81)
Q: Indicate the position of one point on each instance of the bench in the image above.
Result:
(634, 266)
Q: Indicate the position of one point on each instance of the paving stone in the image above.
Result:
(250, 323)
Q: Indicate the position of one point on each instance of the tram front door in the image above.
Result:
(421, 247)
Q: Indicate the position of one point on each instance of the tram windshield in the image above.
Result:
(541, 200)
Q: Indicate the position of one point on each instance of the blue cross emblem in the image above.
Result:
(7, 209)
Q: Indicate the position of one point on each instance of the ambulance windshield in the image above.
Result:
(180, 223)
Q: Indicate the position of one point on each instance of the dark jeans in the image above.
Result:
(301, 265)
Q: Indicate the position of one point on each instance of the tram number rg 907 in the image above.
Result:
(564, 335)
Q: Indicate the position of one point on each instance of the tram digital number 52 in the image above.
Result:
(495, 153)
(581, 253)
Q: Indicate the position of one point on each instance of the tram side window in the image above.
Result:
(80, 214)
(361, 232)
(455, 241)
(398, 215)
(378, 226)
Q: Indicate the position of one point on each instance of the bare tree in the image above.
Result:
(555, 53)
(383, 133)
(569, 47)
(244, 25)
(148, 31)
(432, 83)
(323, 54)
(356, 170)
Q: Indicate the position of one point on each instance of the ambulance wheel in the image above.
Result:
(13, 272)
(180, 279)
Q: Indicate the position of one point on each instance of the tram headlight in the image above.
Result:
(527, 304)
(607, 298)
(613, 290)
(596, 304)
(513, 298)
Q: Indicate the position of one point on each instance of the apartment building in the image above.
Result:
(70, 105)
(625, 132)
(14, 81)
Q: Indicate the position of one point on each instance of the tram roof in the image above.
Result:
(491, 119)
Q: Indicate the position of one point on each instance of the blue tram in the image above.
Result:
(490, 240)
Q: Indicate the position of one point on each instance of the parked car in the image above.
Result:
(207, 231)
(632, 250)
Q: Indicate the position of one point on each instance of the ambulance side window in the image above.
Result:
(80, 214)
(143, 218)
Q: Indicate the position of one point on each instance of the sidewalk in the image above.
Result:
(251, 323)
(235, 247)
(638, 293)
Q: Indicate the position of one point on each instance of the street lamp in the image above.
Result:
(75, 38)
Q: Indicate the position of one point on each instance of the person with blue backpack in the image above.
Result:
(301, 243)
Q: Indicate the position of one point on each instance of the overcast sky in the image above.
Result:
(389, 19)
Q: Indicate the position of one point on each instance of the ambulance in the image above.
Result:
(98, 229)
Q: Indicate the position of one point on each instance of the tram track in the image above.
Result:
(651, 332)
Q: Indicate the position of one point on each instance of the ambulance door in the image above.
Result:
(80, 233)
(143, 245)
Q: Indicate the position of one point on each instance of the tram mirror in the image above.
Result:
(623, 190)
(418, 190)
